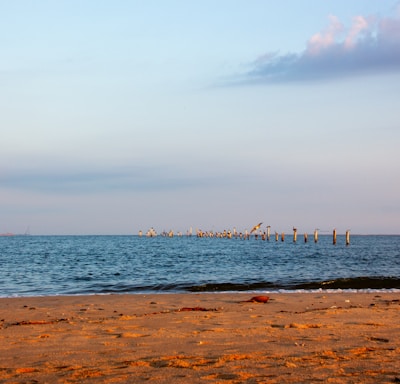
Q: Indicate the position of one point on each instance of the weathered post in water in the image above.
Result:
(348, 237)
(305, 237)
(316, 236)
(268, 232)
(276, 236)
(283, 236)
(294, 235)
(334, 237)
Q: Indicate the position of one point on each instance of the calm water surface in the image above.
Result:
(55, 265)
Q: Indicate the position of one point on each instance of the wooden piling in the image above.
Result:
(305, 237)
(334, 237)
(294, 235)
(268, 232)
(283, 236)
(316, 236)
(347, 237)
(276, 236)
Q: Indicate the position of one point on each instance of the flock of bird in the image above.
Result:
(256, 232)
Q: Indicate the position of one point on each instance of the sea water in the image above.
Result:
(71, 265)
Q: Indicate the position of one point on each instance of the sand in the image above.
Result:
(201, 338)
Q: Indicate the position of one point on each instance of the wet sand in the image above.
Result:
(201, 338)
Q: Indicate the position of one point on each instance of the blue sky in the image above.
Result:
(118, 116)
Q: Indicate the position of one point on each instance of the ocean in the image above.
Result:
(75, 265)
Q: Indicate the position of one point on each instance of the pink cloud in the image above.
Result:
(369, 45)
(325, 39)
(360, 24)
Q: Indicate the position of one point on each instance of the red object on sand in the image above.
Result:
(259, 299)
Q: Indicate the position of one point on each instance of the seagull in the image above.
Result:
(256, 227)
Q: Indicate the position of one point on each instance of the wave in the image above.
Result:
(353, 283)
(356, 283)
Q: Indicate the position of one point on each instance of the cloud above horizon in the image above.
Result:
(370, 45)
(92, 180)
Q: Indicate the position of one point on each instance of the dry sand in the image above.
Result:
(201, 338)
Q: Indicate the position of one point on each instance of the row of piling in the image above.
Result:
(267, 236)
(334, 236)
(264, 235)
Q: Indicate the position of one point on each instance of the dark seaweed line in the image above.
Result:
(357, 283)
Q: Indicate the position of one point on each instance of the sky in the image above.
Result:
(118, 116)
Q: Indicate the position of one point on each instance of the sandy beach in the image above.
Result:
(201, 338)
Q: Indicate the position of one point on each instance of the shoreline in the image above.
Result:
(241, 292)
(218, 337)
